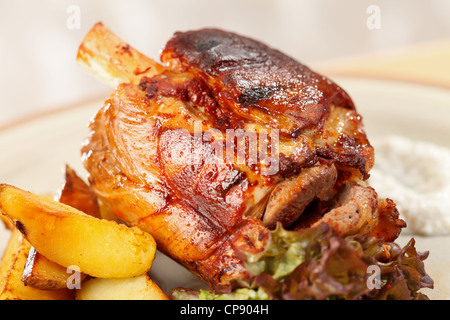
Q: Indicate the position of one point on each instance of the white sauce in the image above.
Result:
(416, 175)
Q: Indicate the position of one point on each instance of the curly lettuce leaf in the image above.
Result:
(316, 264)
(285, 251)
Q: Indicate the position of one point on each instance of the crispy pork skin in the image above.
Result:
(256, 83)
(163, 151)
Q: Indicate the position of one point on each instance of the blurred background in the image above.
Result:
(39, 39)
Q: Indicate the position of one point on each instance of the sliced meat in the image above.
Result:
(291, 196)
(355, 211)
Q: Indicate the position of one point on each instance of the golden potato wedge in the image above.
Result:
(67, 236)
(135, 288)
(11, 268)
(112, 60)
(40, 272)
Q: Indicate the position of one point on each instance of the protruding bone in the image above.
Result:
(112, 60)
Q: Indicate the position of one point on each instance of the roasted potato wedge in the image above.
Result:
(67, 236)
(40, 272)
(11, 269)
(135, 288)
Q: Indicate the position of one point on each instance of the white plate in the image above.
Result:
(35, 152)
